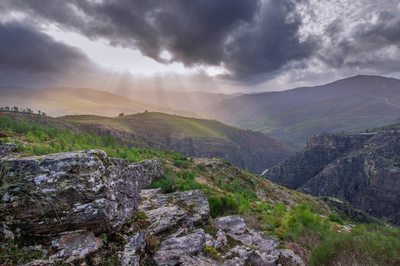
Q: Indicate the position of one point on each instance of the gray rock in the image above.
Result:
(83, 190)
(197, 261)
(76, 245)
(290, 255)
(136, 244)
(221, 240)
(236, 228)
(210, 240)
(40, 263)
(249, 256)
(172, 249)
(5, 148)
(165, 218)
(193, 203)
(259, 248)
(232, 223)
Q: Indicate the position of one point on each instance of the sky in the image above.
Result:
(223, 46)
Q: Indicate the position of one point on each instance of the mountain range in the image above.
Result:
(352, 105)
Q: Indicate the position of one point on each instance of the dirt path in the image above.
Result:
(383, 86)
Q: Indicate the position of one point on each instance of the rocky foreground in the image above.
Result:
(67, 207)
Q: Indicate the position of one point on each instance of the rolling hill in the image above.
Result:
(189, 136)
(350, 105)
(186, 101)
(62, 101)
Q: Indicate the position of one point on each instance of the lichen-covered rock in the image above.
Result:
(172, 249)
(193, 203)
(83, 190)
(197, 261)
(258, 248)
(40, 263)
(165, 218)
(76, 245)
(136, 244)
(210, 240)
(236, 228)
(221, 240)
(5, 148)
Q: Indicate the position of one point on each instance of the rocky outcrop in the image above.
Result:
(172, 249)
(193, 204)
(75, 191)
(360, 168)
(182, 244)
(76, 245)
(6, 148)
(258, 248)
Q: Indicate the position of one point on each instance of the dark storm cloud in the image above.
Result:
(249, 38)
(265, 47)
(25, 49)
(28, 54)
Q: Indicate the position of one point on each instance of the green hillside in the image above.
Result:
(189, 136)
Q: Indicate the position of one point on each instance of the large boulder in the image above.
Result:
(172, 249)
(193, 203)
(74, 191)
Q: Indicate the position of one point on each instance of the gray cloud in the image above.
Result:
(254, 40)
(250, 38)
(32, 58)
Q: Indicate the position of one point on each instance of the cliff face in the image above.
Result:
(360, 168)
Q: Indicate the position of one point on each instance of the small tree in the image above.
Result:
(39, 113)
(16, 109)
(43, 114)
(121, 114)
(7, 108)
(1, 108)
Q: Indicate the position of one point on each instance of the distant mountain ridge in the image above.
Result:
(351, 104)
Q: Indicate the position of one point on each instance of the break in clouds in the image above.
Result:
(254, 41)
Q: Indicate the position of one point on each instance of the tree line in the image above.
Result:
(22, 110)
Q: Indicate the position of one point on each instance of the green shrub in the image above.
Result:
(211, 252)
(334, 218)
(201, 167)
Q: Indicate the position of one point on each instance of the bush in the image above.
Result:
(211, 252)
(181, 164)
(201, 167)
(334, 218)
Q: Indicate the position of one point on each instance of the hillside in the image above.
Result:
(62, 101)
(349, 105)
(189, 136)
(362, 169)
(189, 101)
